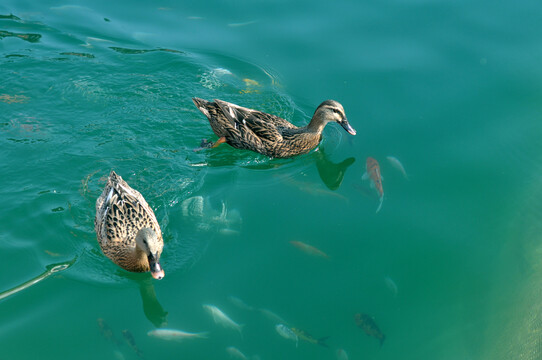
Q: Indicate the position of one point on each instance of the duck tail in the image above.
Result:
(322, 341)
(200, 102)
(203, 106)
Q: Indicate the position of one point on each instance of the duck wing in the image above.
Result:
(246, 112)
(121, 212)
(265, 126)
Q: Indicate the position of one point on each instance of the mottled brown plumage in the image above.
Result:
(127, 229)
(268, 134)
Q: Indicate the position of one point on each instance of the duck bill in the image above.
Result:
(156, 270)
(346, 125)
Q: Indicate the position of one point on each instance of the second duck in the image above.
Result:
(127, 229)
(268, 134)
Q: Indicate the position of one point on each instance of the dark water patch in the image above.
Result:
(16, 56)
(32, 38)
(84, 55)
(141, 51)
(26, 141)
(9, 17)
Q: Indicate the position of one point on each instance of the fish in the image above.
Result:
(310, 188)
(106, 331)
(250, 82)
(240, 303)
(229, 232)
(175, 335)
(243, 23)
(303, 335)
(272, 316)
(235, 353)
(309, 249)
(131, 341)
(314, 189)
(341, 354)
(118, 354)
(373, 173)
(220, 318)
(287, 333)
(397, 164)
(369, 326)
(391, 285)
(54, 254)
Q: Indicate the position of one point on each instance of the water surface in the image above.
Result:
(447, 268)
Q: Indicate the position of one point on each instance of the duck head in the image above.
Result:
(331, 110)
(148, 242)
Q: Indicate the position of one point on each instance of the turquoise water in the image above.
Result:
(446, 267)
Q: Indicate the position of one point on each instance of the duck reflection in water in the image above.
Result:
(153, 310)
(332, 174)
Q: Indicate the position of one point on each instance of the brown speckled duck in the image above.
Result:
(127, 229)
(268, 134)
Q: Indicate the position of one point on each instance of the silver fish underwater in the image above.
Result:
(175, 335)
(341, 354)
(287, 333)
(240, 303)
(397, 165)
(235, 353)
(221, 318)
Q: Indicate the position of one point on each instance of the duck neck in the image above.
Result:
(316, 125)
(135, 259)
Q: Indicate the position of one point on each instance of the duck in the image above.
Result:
(268, 134)
(127, 229)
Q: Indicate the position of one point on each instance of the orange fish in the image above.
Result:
(373, 173)
(309, 249)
